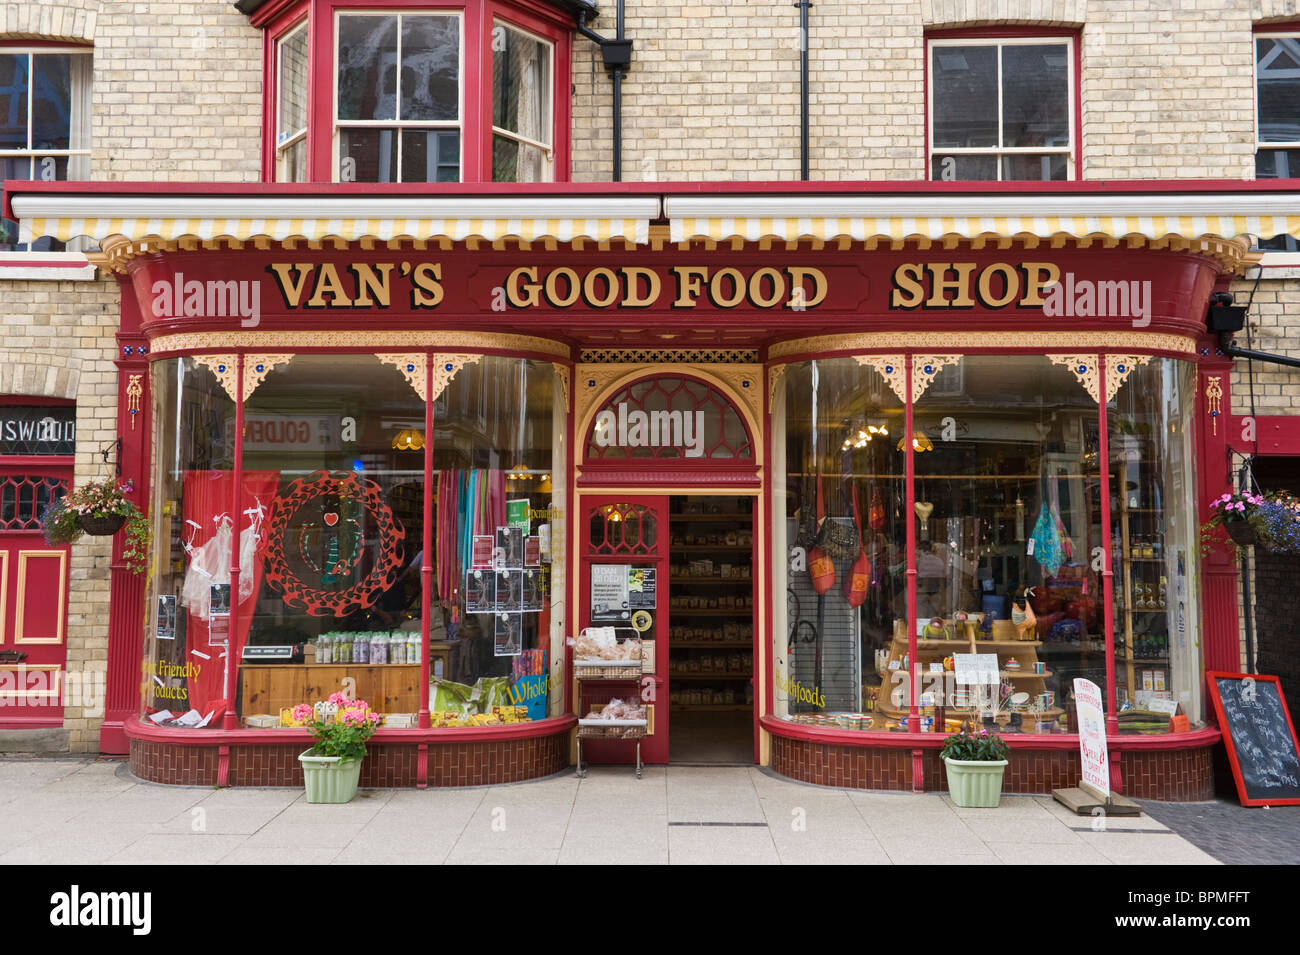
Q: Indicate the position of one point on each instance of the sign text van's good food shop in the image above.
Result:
(752, 468)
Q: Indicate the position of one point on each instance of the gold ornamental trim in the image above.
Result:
(1118, 368)
(445, 368)
(257, 367)
(642, 356)
(226, 370)
(774, 373)
(889, 367)
(414, 368)
(362, 340)
(924, 370)
(1084, 368)
(1213, 399)
(562, 372)
(926, 341)
(134, 392)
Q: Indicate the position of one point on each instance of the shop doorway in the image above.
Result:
(691, 594)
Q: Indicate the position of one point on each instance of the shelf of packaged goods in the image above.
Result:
(728, 612)
(714, 707)
(684, 518)
(709, 644)
(1144, 610)
(710, 548)
(1126, 658)
(1143, 560)
(1022, 674)
(960, 712)
(926, 644)
(701, 579)
(678, 675)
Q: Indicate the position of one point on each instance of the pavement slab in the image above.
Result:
(88, 812)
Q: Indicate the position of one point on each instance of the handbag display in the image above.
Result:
(858, 579)
(838, 541)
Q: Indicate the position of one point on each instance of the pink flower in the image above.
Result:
(303, 712)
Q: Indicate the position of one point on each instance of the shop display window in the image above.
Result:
(1154, 547)
(836, 430)
(1010, 541)
(330, 549)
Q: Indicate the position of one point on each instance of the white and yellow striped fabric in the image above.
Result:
(901, 228)
(349, 230)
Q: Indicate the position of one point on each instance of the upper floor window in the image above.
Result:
(1277, 115)
(44, 123)
(1002, 108)
(417, 94)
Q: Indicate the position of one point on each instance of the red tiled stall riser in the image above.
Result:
(1182, 775)
(390, 765)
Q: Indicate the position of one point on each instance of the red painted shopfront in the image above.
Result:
(998, 401)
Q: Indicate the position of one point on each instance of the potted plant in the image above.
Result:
(340, 728)
(100, 509)
(975, 763)
(1235, 514)
(1277, 522)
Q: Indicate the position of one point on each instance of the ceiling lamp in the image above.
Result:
(862, 437)
(519, 473)
(919, 442)
(408, 439)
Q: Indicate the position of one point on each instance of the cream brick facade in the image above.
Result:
(1167, 92)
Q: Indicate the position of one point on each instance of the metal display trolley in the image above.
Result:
(596, 671)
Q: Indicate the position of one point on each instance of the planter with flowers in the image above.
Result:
(1270, 520)
(975, 761)
(340, 728)
(100, 509)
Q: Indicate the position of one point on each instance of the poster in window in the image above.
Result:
(166, 625)
(517, 514)
(610, 598)
(480, 591)
(641, 585)
(481, 553)
(532, 552)
(510, 591)
(507, 641)
(533, 590)
(510, 547)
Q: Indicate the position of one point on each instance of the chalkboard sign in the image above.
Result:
(1259, 737)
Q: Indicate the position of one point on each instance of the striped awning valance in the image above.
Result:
(250, 218)
(900, 218)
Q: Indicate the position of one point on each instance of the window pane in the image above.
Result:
(293, 162)
(13, 101)
(1277, 164)
(1009, 515)
(51, 102)
(1035, 95)
(965, 96)
(367, 155)
(513, 161)
(367, 72)
(952, 168)
(1052, 166)
(430, 155)
(430, 68)
(1277, 62)
(293, 84)
(521, 89)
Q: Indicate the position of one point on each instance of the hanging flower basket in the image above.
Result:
(105, 526)
(1242, 532)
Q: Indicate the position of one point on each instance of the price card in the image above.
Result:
(976, 668)
(1168, 707)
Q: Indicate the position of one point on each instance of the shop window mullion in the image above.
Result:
(914, 673)
(1107, 569)
(427, 561)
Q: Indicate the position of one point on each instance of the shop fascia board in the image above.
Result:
(97, 206)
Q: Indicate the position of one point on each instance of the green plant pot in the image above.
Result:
(330, 779)
(975, 784)
(105, 526)
(1241, 532)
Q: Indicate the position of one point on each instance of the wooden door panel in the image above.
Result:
(40, 607)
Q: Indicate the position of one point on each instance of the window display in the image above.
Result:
(330, 533)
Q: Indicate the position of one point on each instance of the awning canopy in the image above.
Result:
(862, 218)
(317, 218)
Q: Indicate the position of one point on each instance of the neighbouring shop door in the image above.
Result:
(33, 597)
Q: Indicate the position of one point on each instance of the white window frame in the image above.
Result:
(548, 121)
(398, 124)
(282, 145)
(71, 264)
(1277, 258)
(998, 151)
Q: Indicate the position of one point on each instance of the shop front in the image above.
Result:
(801, 449)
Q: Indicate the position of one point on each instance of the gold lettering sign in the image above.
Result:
(965, 284)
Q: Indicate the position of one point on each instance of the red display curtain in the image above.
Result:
(208, 498)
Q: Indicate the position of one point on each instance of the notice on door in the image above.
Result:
(610, 596)
(642, 588)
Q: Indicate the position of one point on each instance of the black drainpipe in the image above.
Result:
(803, 6)
(617, 56)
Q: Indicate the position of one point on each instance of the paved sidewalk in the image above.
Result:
(1233, 833)
(89, 812)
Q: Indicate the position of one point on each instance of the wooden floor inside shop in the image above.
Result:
(712, 737)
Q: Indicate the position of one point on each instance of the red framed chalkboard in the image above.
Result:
(1259, 737)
